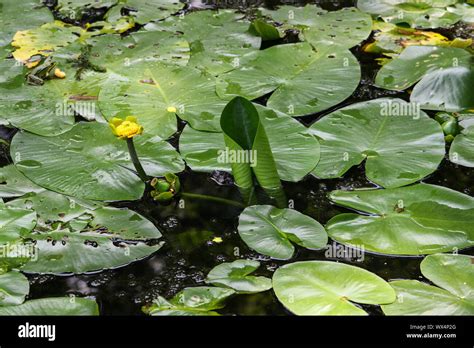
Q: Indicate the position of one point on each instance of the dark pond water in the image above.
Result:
(189, 252)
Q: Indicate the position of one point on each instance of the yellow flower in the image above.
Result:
(171, 109)
(217, 240)
(127, 128)
(59, 73)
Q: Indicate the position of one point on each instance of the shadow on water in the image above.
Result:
(189, 252)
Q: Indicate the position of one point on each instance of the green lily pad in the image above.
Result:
(157, 93)
(219, 40)
(413, 220)
(14, 184)
(53, 306)
(271, 231)
(346, 27)
(99, 166)
(150, 46)
(454, 276)
(43, 40)
(461, 149)
(15, 222)
(416, 61)
(235, 275)
(14, 286)
(329, 288)
(448, 90)
(201, 301)
(401, 144)
(72, 237)
(203, 151)
(21, 15)
(144, 11)
(303, 81)
(420, 13)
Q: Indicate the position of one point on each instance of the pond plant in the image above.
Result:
(248, 151)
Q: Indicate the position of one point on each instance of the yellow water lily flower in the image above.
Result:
(217, 240)
(127, 128)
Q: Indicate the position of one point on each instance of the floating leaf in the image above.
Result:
(42, 40)
(14, 184)
(144, 11)
(235, 275)
(150, 46)
(461, 151)
(53, 306)
(21, 15)
(346, 27)
(156, 93)
(205, 151)
(14, 287)
(454, 274)
(400, 143)
(416, 61)
(271, 231)
(303, 81)
(191, 301)
(219, 40)
(15, 222)
(420, 13)
(99, 166)
(329, 288)
(71, 236)
(413, 220)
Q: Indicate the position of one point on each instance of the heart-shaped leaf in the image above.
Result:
(99, 166)
(302, 80)
(454, 274)
(219, 40)
(271, 231)
(235, 275)
(329, 288)
(53, 306)
(346, 27)
(191, 301)
(399, 142)
(14, 287)
(413, 220)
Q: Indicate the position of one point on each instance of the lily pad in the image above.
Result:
(413, 220)
(219, 40)
(53, 306)
(235, 275)
(14, 184)
(271, 231)
(43, 40)
(400, 143)
(201, 301)
(454, 276)
(14, 287)
(15, 222)
(72, 238)
(329, 288)
(122, 52)
(144, 11)
(156, 93)
(99, 166)
(302, 80)
(461, 149)
(417, 61)
(202, 150)
(346, 27)
(21, 15)
(420, 13)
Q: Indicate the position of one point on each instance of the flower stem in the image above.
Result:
(213, 198)
(136, 161)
